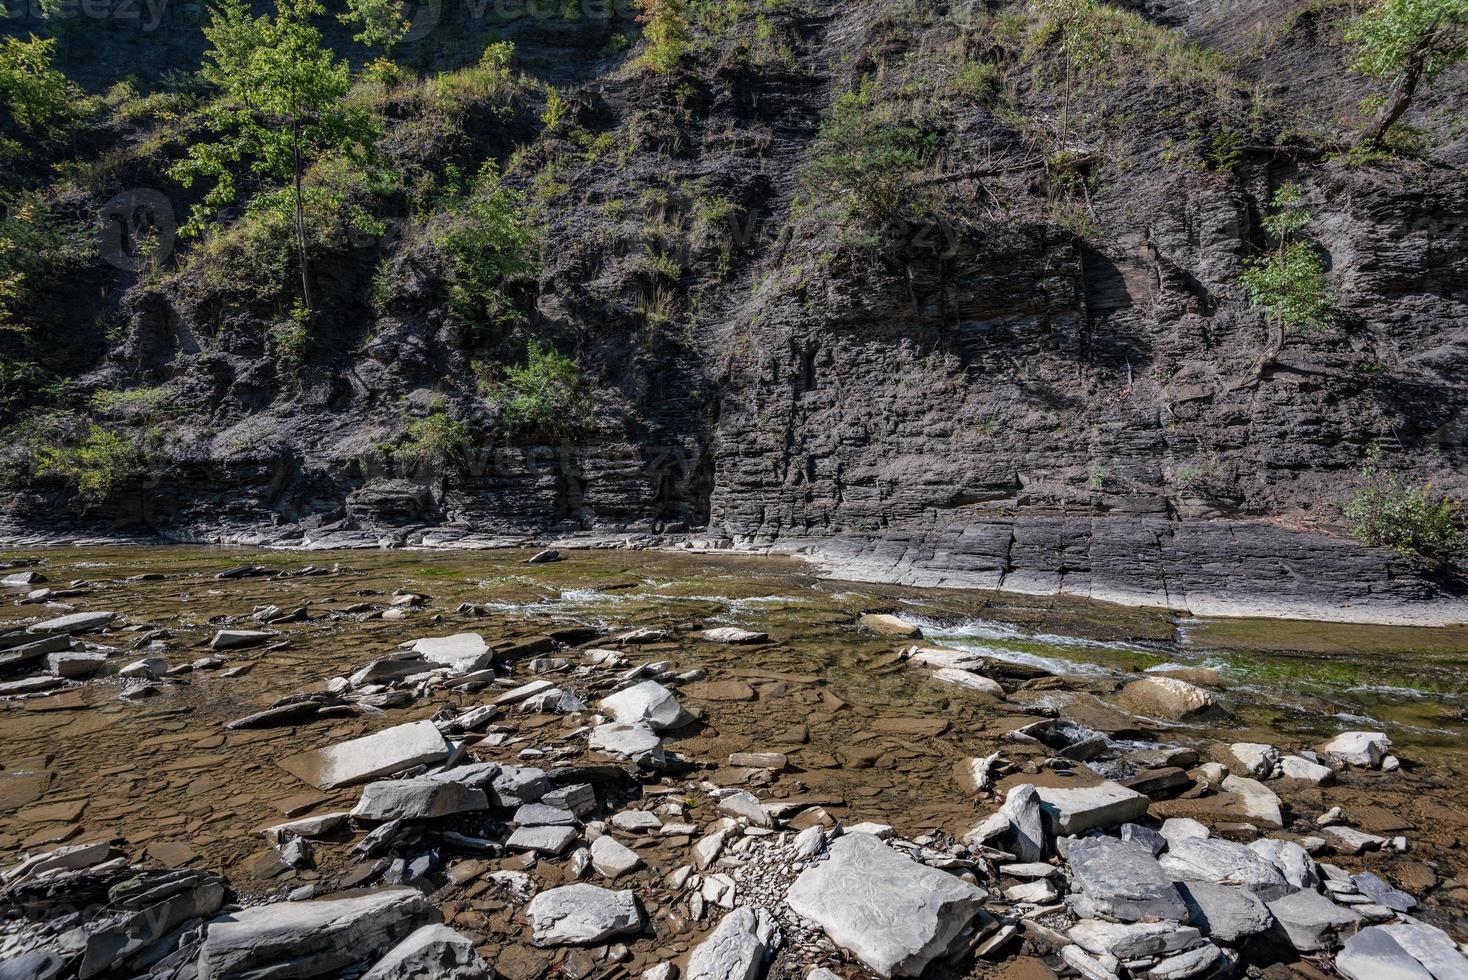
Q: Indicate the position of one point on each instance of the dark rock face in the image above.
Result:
(989, 400)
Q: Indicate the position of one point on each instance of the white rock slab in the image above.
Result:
(894, 914)
(361, 759)
(581, 915)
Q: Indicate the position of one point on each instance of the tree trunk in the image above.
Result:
(1406, 87)
(300, 223)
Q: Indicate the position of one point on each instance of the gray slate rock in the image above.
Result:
(417, 799)
(434, 952)
(1124, 881)
(1225, 862)
(362, 759)
(1382, 893)
(84, 622)
(1311, 921)
(309, 939)
(515, 786)
(894, 914)
(580, 915)
(1227, 913)
(1025, 838)
(737, 949)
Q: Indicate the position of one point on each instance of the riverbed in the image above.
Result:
(863, 728)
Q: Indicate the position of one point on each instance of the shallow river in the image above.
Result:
(862, 726)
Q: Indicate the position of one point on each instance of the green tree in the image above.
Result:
(98, 466)
(1406, 43)
(1288, 282)
(542, 395)
(1415, 521)
(281, 107)
(489, 244)
(381, 21)
(665, 28)
(35, 95)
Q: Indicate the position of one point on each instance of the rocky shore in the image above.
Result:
(455, 802)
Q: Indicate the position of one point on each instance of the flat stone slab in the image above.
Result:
(736, 949)
(239, 639)
(329, 935)
(732, 634)
(1402, 951)
(893, 914)
(885, 624)
(1132, 940)
(362, 759)
(542, 840)
(84, 622)
(1123, 880)
(417, 799)
(461, 653)
(648, 703)
(581, 915)
(1077, 809)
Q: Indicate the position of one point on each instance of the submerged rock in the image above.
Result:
(730, 634)
(893, 914)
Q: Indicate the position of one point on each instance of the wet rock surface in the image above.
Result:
(845, 814)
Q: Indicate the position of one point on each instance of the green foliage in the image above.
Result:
(1412, 519)
(1389, 34)
(281, 107)
(381, 22)
(97, 467)
(35, 247)
(665, 29)
(38, 97)
(489, 243)
(866, 157)
(1289, 283)
(436, 440)
(542, 395)
(133, 402)
(292, 339)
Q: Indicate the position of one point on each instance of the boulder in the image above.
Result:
(1226, 913)
(434, 952)
(1225, 862)
(1077, 809)
(1311, 921)
(362, 759)
(1167, 698)
(1123, 881)
(389, 670)
(647, 703)
(416, 799)
(729, 634)
(1364, 750)
(307, 939)
(892, 913)
(582, 915)
(148, 669)
(736, 949)
(461, 653)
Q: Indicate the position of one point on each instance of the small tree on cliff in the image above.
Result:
(665, 28)
(280, 109)
(1288, 282)
(1406, 43)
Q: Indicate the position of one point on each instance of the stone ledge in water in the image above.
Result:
(361, 759)
(893, 914)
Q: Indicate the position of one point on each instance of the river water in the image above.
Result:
(872, 733)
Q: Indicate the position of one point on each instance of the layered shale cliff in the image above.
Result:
(1021, 356)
